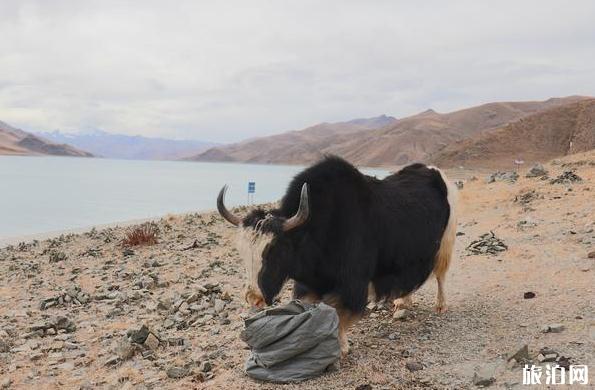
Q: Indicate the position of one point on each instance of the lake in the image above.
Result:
(50, 194)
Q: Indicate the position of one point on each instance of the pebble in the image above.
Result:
(521, 354)
(206, 366)
(401, 314)
(485, 375)
(138, 336)
(151, 342)
(553, 328)
(537, 171)
(414, 366)
(6, 382)
(177, 372)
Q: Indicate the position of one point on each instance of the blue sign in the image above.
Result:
(251, 187)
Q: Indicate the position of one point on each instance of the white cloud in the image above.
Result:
(234, 70)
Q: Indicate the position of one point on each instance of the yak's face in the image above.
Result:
(256, 237)
(259, 242)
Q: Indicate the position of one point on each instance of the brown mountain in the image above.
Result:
(294, 147)
(396, 142)
(552, 133)
(14, 141)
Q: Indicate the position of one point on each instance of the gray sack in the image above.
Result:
(292, 343)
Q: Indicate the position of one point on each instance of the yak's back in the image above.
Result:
(332, 183)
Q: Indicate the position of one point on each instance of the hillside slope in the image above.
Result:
(416, 137)
(17, 142)
(294, 147)
(389, 143)
(556, 132)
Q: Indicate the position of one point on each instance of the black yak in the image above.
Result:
(340, 234)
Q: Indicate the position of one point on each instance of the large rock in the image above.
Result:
(537, 171)
(485, 375)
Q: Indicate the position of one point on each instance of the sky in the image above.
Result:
(229, 70)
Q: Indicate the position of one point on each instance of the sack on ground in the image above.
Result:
(292, 343)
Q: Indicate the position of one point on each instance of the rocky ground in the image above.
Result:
(84, 311)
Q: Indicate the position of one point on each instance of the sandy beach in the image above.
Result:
(69, 301)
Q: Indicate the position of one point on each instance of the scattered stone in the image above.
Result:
(206, 366)
(537, 171)
(112, 361)
(52, 326)
(591, 255)
(521, 355)
(487, 243)
(146, 282)
(547, 355)
(6, 383)
(529, 295)
(526, 197)
(151, 342)
(219, 305)
(485, 375)
(177, 372)
(526, 223)
(72, 296)
(510, 177)
(568, 177)
(563, 361)
(128, 252)
(138, 336)
(125, 349)
(553, 328)
(401, 314)
(57, 256)
(4, 346)
(459, 184)
(414, 366)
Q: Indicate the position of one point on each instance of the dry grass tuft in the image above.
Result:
(143, 234)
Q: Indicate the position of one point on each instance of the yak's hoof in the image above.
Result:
(441, 308)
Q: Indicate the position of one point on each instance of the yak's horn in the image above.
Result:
(225, 213)
(302, 214)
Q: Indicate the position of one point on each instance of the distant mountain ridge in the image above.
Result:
(136, 147)
(17, 142)
(555, 132)
(294, 147)
(382, 142)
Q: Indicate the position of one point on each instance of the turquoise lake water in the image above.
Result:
(46, 194)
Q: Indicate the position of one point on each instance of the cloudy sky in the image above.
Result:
(228, 70)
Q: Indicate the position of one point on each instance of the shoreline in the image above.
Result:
(13, 240)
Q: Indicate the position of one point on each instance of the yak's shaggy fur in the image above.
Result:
(388, 233)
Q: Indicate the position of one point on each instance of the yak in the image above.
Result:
(344, 237)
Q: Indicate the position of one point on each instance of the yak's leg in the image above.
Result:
(346, 319)
(304, 294)
(404, 302)
(350, 303)
(441, 299)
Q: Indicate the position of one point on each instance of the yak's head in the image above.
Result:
(261, 245)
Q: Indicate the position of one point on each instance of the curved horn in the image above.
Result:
(225, 213)
(302, 214)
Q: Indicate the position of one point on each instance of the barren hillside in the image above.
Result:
(556, 132)
(14, 141)
(294, 147)
(394, 143)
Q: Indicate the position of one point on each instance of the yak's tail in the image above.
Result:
(446, 250)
